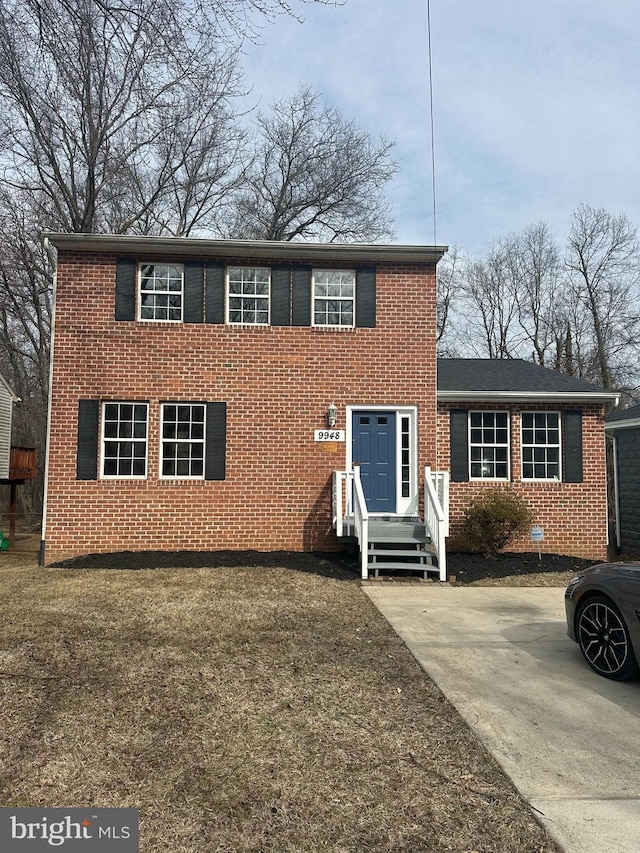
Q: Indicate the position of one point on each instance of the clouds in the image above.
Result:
(536, 104)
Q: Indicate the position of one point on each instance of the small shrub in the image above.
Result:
(493, 520)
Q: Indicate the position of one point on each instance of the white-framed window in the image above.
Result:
(160, 292)
(183, 440)
(489, 445)
(248, 295)
(540, 441)
(124, 440)
(334, 297)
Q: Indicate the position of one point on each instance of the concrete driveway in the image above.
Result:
(569, 739)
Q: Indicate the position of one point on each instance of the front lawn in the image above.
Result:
(239, 709)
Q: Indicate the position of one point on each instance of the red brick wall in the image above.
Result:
(277, 383)
(573, 515)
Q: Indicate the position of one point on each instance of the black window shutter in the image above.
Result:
(301, 296)
(216, 442)
(87, 452)
(459, 445)
(572, 435)
(126, 274)
(215, 293)
(366, 297)
(193, 310)
(281, 296)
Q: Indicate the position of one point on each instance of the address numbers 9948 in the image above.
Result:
(329, 435)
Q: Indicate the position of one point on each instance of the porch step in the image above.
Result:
(399, 547)
(400, 552)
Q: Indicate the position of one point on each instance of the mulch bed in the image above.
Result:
(468, 568)
(465, 567)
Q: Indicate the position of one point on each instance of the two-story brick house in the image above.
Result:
(212, 394)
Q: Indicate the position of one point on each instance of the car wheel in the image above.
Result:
(604, 639)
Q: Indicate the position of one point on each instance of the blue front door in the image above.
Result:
(374, 449)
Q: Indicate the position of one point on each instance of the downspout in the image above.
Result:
(616, 491)
(43, 538)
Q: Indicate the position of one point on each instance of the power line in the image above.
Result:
(433, 146)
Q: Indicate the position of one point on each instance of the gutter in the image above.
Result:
(529, 396)
(262, 249)
(621, 423)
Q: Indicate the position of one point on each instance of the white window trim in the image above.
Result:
(557, 479)
(350, 272)
(404, 506)
(190, 477)
(139, 316)
(104, 439)
(228, 296)
(506, 479)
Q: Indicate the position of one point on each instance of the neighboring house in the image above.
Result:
(211, 394)
(7, 399)
(623, 427)
(512, 422)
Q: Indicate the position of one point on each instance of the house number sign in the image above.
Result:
(329, 435)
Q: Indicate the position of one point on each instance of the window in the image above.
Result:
(405, 460)
(124, 440)
(183, 431)
(161, 292)
(333, 297)
(489, 445)
(248, 290)
(540, 446)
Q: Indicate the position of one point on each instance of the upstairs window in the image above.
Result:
(183, 440)
(161, 292)
(540, 446)
(248, 295)
(124, 439)
(334, 297)
(489, 445)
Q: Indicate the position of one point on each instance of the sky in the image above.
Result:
(536, 105)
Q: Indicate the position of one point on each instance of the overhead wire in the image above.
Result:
(431, 112)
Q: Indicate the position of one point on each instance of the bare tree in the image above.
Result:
(449, 276)
(534, 276)
(490, 320)
(579, 315)
(314, 175)
(603, 261)
(109, 125)
(26, 269)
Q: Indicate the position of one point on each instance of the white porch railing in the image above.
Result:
(342, 500)
(349, 505)
(351, 517)
(361, 521)
(436, 514)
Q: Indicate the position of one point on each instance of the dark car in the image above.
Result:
(603, 617)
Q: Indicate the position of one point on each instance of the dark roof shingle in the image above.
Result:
(508, 375)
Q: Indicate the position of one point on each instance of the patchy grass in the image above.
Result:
(240, 709)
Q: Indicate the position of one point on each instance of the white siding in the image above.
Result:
(6, 410)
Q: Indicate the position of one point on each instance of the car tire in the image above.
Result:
(604, 639)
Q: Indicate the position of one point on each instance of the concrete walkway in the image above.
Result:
(569, 739)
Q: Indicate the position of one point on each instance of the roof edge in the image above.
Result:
(529, 396)
(622, 423)
(262, 249)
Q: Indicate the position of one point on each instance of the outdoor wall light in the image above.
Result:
(332, 416)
